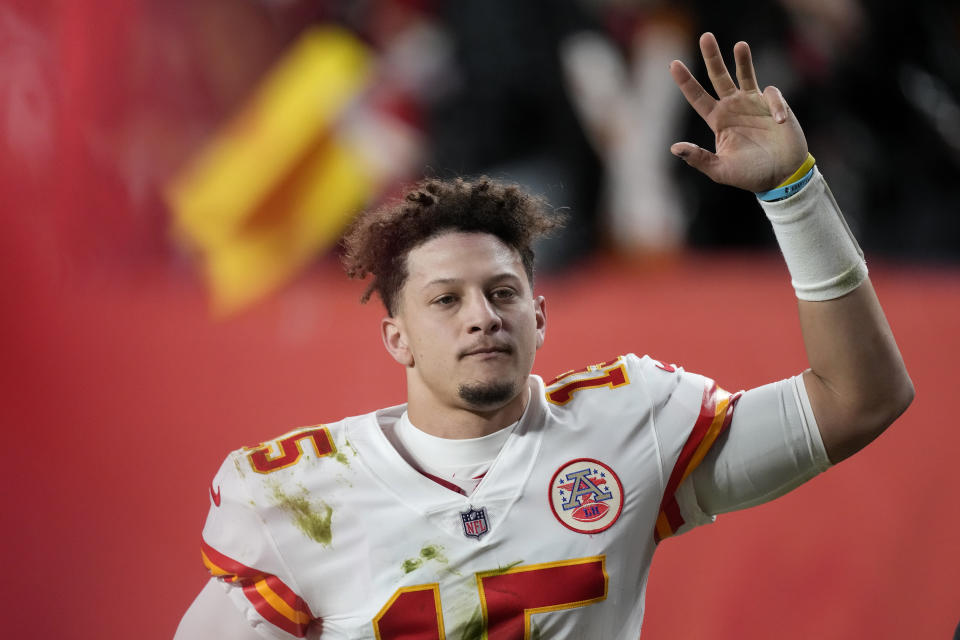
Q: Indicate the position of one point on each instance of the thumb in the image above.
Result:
(697, 157)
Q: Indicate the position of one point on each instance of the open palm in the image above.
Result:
(759, 142)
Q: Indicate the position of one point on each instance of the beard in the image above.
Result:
(487, 395)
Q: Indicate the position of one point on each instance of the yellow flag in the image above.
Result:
(279, 183)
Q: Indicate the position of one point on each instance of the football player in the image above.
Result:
(494, 504)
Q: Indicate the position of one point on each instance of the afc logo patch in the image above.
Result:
(586, 496)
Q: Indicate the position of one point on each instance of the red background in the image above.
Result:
(121, 398)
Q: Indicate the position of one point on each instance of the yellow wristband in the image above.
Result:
(799, 173)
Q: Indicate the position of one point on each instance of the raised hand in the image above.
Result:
(759, 142)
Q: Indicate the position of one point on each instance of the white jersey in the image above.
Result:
(327, 532)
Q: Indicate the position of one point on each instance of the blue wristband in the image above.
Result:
(785, 191)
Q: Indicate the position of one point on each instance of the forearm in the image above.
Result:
(857, 380)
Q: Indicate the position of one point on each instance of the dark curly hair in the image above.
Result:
(378, 241)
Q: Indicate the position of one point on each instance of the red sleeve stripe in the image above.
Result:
(225, 567)
(720, 423)
(274, 600)
(264, 597)
(716, 412)
(671, 510)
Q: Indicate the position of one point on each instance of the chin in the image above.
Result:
(488, 395)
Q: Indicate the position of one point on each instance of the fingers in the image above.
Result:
(701, 101)
(776, 103)
(698, 158)
(746, 77)
(716, 69)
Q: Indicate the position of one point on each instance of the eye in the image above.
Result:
(503, 294)
(445, 300)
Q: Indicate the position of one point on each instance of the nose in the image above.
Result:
(482, 315)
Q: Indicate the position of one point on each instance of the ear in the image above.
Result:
(395, 340)
(540, 309)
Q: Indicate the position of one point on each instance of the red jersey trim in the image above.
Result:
(446, 484)
(274, 600)
(716, 413)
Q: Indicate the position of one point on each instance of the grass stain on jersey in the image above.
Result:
(503, 569)
(427, 553)
(473, 630)
(312, 519)
(352, 448)
(534, 631)
(433, 552)
(240, 467)
(341, 457)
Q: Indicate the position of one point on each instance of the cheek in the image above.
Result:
(428, 349)
(530, 330)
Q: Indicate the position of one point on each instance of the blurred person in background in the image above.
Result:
(877, 87)
(492, 504)
(615, 78)
(509, 114)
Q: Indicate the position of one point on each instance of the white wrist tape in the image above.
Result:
(823, 257)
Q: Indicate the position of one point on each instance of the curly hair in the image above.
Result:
(378, 241)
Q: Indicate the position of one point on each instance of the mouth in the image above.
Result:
(487, 352)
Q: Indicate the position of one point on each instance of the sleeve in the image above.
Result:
(773, 446)
(239, 551)
(689, 413)
(212, 615)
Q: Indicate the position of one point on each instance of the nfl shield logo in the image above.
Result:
(474, 522)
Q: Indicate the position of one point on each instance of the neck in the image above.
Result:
(461, 422)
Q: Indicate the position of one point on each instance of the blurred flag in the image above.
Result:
(283, 179)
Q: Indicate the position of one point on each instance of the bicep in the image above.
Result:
(772, 446)
(213, 615)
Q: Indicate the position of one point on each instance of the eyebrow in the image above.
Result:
(441, 281)
(497, 278)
